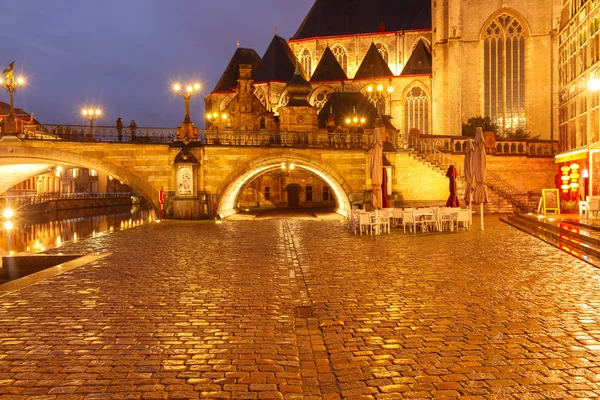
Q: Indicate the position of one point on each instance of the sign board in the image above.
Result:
(550, 200)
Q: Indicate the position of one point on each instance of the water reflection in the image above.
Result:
(40, 233)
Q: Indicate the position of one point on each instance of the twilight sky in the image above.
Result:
(123, 55)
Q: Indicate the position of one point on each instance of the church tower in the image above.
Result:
(495, 59)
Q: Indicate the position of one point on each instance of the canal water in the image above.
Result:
(35, 233)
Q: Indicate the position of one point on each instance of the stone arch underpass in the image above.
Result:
(39, 159)
(233, 185)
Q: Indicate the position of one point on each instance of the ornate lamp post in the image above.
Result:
(91, 115)
(187, 130)
(11, 84)
(376, 93)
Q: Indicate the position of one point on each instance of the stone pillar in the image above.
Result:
(187, 202)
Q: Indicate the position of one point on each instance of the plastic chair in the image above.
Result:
(396, 216)
(464, 217)
(364, 221)
(384, 220)
(408, 218)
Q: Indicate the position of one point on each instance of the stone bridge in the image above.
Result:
(223, 170)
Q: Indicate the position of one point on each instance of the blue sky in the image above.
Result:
(123, 55)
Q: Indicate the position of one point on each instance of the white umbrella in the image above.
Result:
(479, 172)
(468, 168)
(376, 166)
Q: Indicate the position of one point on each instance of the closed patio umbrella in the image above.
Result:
(453, 199)
(376, 166)
(468, 168)
(479, 172)
(384, 192)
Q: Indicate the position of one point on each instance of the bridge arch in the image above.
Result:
(233, 185)
(18, 155)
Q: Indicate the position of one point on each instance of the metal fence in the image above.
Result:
(83, 133)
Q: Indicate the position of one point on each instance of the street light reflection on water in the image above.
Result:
(35, 234)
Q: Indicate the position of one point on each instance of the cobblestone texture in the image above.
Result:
(198, 310)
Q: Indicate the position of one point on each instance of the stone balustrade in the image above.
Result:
(502, 147)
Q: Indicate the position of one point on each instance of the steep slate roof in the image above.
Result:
(228, 81)
(419, 62)
(373, 65)
(328, 69)
(278, 62)
(348, 17)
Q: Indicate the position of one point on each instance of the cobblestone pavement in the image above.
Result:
(303, 309)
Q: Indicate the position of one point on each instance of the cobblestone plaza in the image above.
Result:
(301, 308)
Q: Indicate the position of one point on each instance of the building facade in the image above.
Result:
(579, 78)
(444, 62)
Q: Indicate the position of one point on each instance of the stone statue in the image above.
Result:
(8, 72)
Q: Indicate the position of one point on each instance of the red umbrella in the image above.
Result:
(384, 193)
(453, 199)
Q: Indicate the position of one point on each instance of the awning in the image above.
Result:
(575, 154)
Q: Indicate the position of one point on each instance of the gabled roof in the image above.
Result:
(328, 69)
(419, 62)
(277, 64)
(373, 65)
(349, 17)
(228, 81)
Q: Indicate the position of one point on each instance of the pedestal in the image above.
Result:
(188, 131)
(9, 125)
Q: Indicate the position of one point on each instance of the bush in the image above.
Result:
(569, 206)
(470, 128)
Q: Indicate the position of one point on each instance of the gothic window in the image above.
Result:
(416, 110)
(308, 193)
(340, 54)
(504, 72)
(267, 193)
(321, 98)
(306, 60)
(383, 51)
(325, 193)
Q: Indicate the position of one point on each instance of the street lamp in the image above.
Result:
(11, 84)
(187, 94)
(376, 93)
(216, 116)
(91, 114)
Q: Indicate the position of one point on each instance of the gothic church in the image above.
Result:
(428, 65)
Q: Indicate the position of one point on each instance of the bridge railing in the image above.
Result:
(286, 139)
(83, 133)
(20, 200)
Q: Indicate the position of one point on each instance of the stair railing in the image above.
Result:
(429, 152)
(522, 200)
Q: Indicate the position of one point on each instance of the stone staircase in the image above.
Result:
(503, 198)
(497, 204)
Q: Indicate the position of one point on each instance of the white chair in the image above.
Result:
(354, 220)
(594, 206)
(408, 218)
(396, 216)
(384, 220)
(364, 221)
(464, 218)
(447, 218)
(429, 218)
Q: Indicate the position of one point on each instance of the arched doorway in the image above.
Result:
(293, 196)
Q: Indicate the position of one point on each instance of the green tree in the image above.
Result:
(472, 124)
